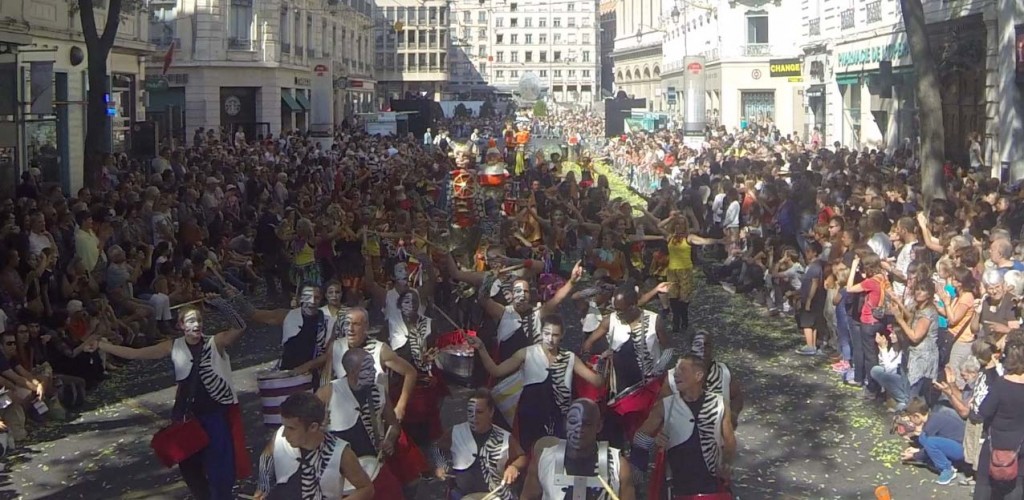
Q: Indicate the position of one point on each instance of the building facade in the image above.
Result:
(640, 27)
(606, 16)
(861, 81)
(555, 42)
(747, 51)
(42, 61)
(252, 64)
(469, 49)
(412, 39)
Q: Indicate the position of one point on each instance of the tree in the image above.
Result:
(98, 46)
(487, 109)
(461, 111)
(929, 102)
(540, 109)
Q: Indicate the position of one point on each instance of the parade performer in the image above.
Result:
(303, 462)
(547, 373)
(336, 314)
(719, 379)
(580, 466)
(519, 322)
(481, 456)
(422, 420)
(205, 394)
(356, 335)
(636, 338)
(699, 461)
(387, 299)
(360, 413)
(304, 334)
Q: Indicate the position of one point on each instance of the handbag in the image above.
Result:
(1003, 464)
(180, 440)
(880, 311)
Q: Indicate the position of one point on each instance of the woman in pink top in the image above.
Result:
(865, 350)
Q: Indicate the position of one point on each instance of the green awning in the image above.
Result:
(301, 97)
(848, 79)
(289, 102)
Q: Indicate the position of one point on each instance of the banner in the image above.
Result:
(41, 88)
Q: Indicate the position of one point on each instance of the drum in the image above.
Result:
(455, 357)
(275, 386)
(585, 390)
(493, 175)
(634, 403)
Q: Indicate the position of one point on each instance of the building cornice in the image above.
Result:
(636, 52)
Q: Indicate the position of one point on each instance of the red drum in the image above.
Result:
(584, 389)
(634, 404)
(408, 461)
(493, 175)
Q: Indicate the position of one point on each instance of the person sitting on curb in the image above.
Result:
(940, 440)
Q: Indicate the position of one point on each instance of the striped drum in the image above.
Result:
(275, 386)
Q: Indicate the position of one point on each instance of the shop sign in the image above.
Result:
(785, 68)
(157, 84)
(671, 94)
(355, 84)
(303, 82)
(320, 69)
(872, 55)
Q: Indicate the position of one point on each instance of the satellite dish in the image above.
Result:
(529, 86)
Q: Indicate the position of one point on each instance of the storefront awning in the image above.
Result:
(848, 79)
(289, 102)
(303, 101)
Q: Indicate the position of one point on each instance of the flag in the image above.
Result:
(168, 59)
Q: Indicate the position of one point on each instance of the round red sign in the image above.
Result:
(695, 67)
(320, 69)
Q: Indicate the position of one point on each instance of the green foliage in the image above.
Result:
(540, 109)
(461, 111)
(487, 109)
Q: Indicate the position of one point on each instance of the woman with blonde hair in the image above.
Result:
(680, 267)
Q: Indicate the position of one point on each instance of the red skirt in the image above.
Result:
(635, 408)
(243, 464)
(424, 409)
(585, 389)
(408, 462)
(386, 485)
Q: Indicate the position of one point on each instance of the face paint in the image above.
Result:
(520, 293)
(401, 273)
(574, 425)
(471, 414)
(192, 324)
(334, 295)
(309, 300)
(408, 306)
(367, 374)
(550, 335)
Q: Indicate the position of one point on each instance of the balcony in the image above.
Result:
(711, 55)
(874, 11)
(162, 44)
(239, 44)
(814, 27)
(757, 50)
(846, 19)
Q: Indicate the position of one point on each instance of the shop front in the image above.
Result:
(875, 101)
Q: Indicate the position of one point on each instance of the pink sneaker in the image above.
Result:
(841, 366)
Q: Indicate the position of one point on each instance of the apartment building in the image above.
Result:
(264, 66)
(640, 27)
(556, 40)
(412, 39)
(469, 49)
(738, 58)
(606, 39)
(860, 77)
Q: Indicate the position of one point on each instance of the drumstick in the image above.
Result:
(447, 317)
(607, 488)
(510, 269)
(183, 304)
(494, 492)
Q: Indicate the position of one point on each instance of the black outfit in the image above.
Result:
(1000, 412)
(690, 474)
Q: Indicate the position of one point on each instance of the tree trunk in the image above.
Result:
(929, 102)
(97, 140)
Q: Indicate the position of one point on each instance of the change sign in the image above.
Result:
(785, 68)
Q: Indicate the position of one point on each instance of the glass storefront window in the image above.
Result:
(41, 148)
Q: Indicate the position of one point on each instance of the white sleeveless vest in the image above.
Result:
(725, 378)
(535, 367)
(396, 324)
(338, 350)
(553, 476)
(286, 464)
(181, 358)
(619, 333)
(679, 424)
(464, 448)
(343, 410)
(511, 321)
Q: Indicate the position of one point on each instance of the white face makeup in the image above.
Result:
(520, 292)
(367, 374)
(550, 336)
(334, 295)
(471, 414)
(309, 300)
(192, 324)
(401, 273)
(574, 425)
(407, 306)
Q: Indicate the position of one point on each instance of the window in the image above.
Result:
(422, 60)
(558, 55)
(401, 14)
(558, 38)
(499, 74)
(529, 56)
(528, 22)
(572, 73)
(309, 32)
(586, 39)
(513, 7)
(572, 22)
(433, 15)
(286, 34)
(498, 39)
(467, 17)
(515, 39)
(482, 51)
(481, 16)
(240, 17)
(571, 7)
(757, 29)
(543, 73)
(543, 39)
(586, 73)
(297, 24)
(498, 22)
(529, 39)
(481, 33)
(465, 34)
(556, 22)
(324, 39)
(586, 56)
(558, 73)
(542, 22)
(500, 56)
(513, 23)
(514, 73)
(483, 68)
(515, 56)
(543, 56)
(334, 37)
